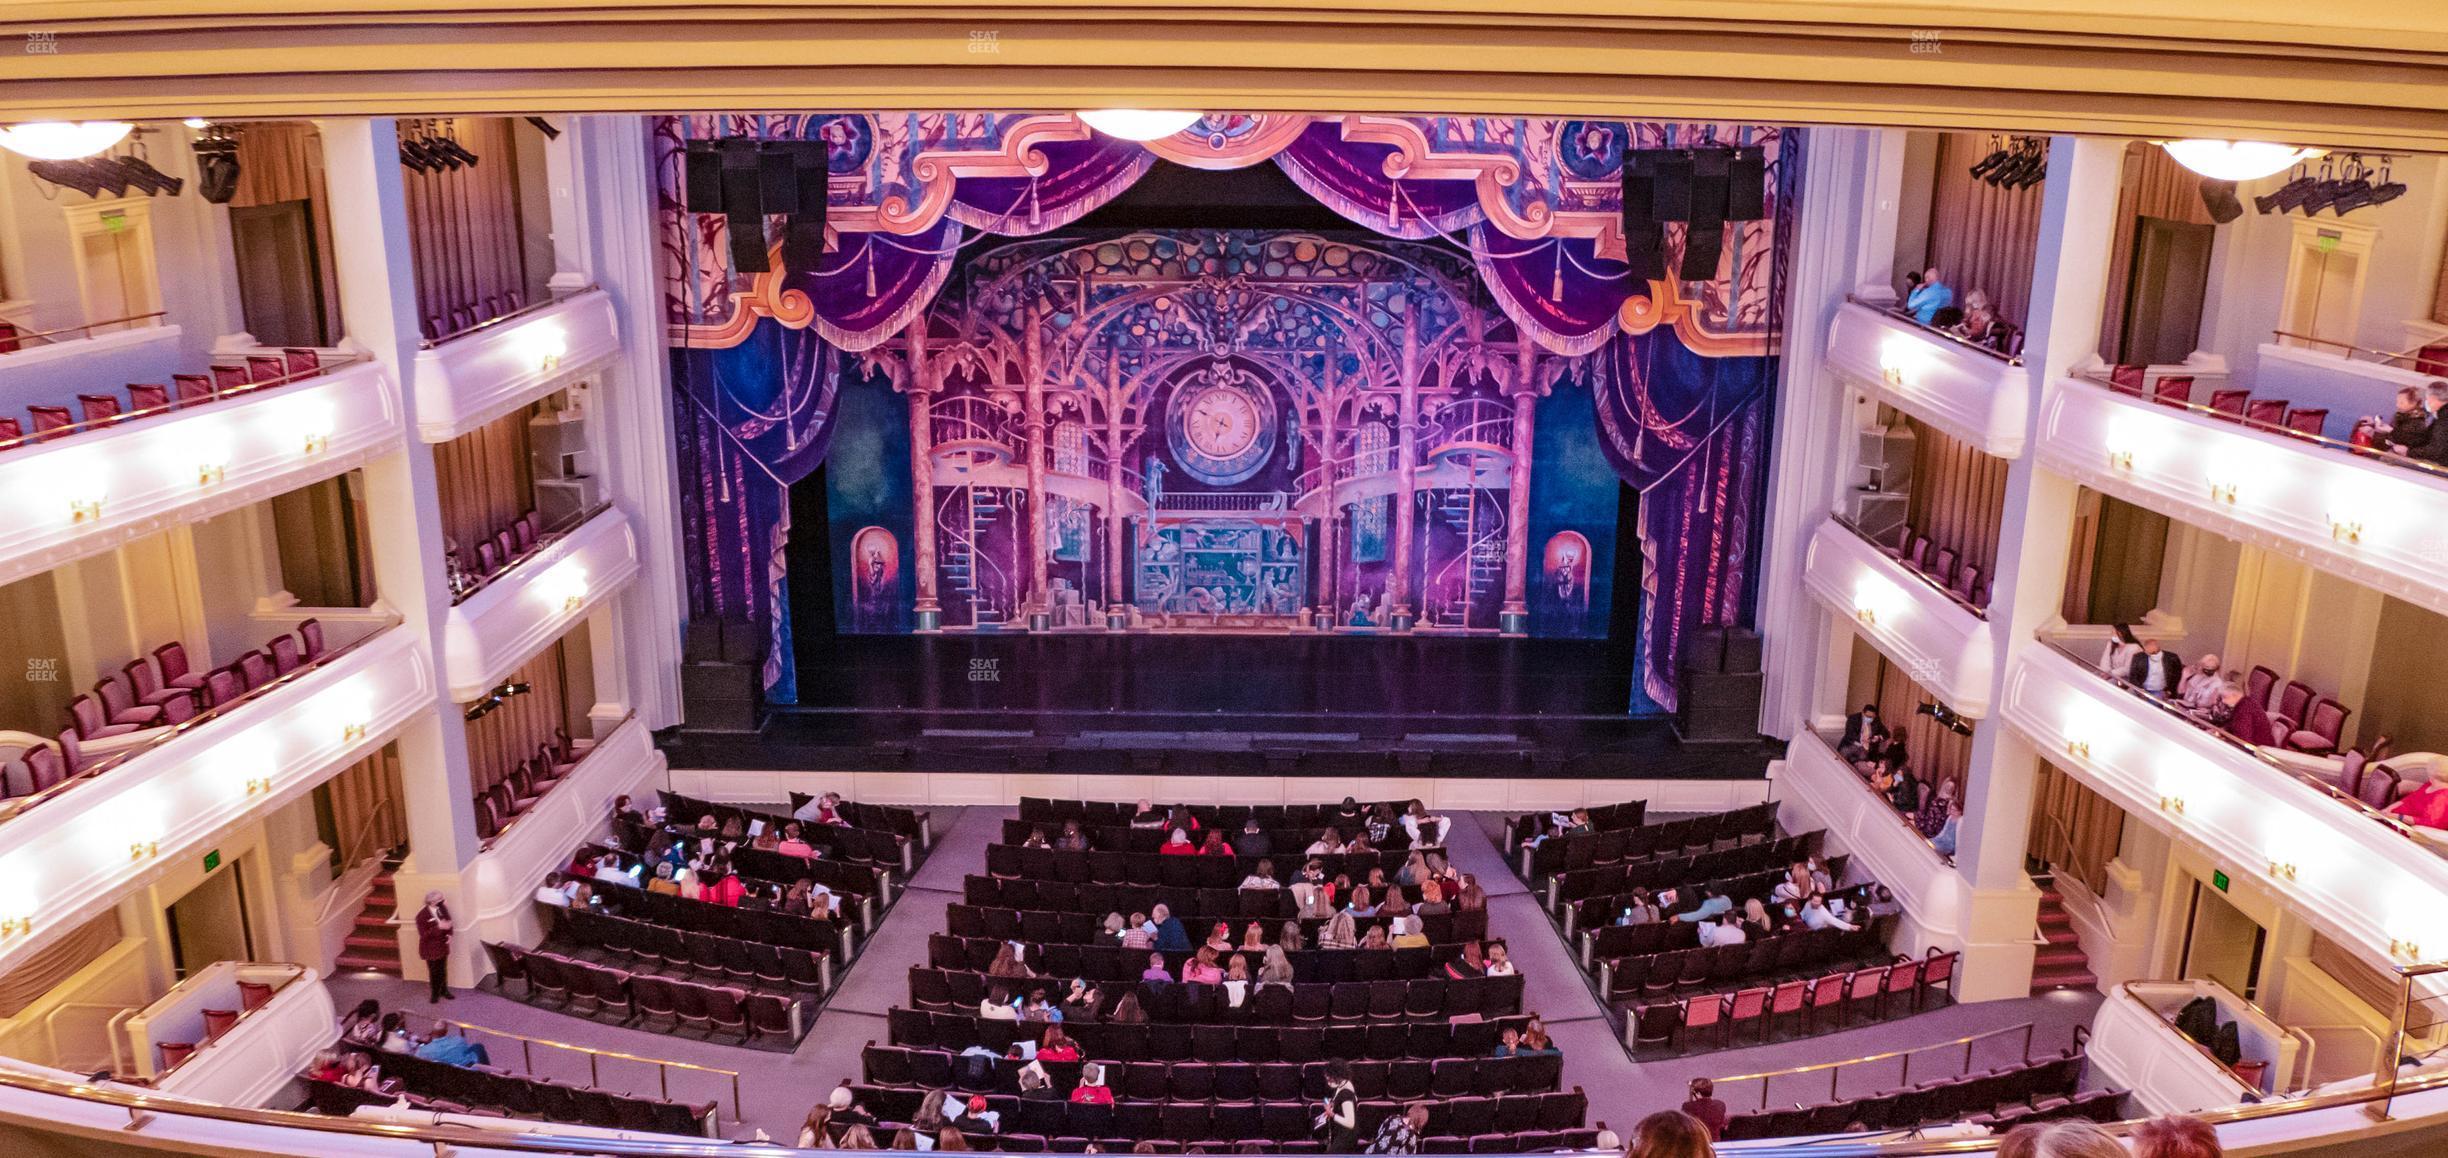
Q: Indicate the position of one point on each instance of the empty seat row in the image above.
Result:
(458, 319)
(2272, 414)
(649, 947)
(958, 1029)
(1018, 862)
(1047, 927)
(879, 847)
(1723, 966)
(1234, 1081)
(1281, 1121)
(1877, 992)
(1689, 835)
(1347, 1001)
(510, 797)
(494, 553)
(1113, 966)
(166, 691)
(2304, 720)
(1669, 869)
(536, 1098)
(144, 399)
(1962, 579)
(646, 1000)
(1942, 1100)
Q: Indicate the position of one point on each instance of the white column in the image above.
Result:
(404, 516)
(2078, 212)
(604, 233)
(1836, 238)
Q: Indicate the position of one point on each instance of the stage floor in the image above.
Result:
(1322, 705)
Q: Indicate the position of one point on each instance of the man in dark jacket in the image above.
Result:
(2157, 672)
(1862, 731)
(2433, 446)
(433, 926)
(1253, 840)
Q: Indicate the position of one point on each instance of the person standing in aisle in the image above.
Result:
(433, 926)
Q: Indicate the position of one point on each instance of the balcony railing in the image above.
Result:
(1835, 1070)
(12, 342)
(178, 405)
(2228, 742)
(544, 541)
(1828, 744)
(2310, 438)
(16, 807)
(1906, 317)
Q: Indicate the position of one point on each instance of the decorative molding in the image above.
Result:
(470, 380)
(524, 609)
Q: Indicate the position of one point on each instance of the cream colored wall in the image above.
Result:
(2306, 625)
(2407, 700)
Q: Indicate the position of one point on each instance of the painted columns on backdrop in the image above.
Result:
(2078, 211)
(1328, 565)
(1514, 619)
(1117, 613)
(1040, 601)
(370, 252)
(1398, 611)
(920, 385)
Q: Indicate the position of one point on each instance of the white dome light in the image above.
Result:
(62, 140)
(2235, 160)
(1139, 124)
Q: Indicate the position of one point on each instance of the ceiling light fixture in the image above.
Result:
(2235, 160)
(63, 140)
(1139, 124)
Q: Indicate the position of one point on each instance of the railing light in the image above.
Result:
(2282, 869)
(2345, 530)
(2222, 492)
(2121, 461)
(2172, 803)
(16, 926)
(138, 850)
(2079, 749)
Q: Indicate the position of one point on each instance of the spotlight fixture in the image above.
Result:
(2236, 160)
(1947, 717)
(2014, 163)
(1704, 187)
(2342, 186)
(494, 699)
(216, 151)
(2219, 198)
(545, 127)
(114, 174)
(429, 146)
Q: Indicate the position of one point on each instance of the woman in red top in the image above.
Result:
(1180, 844)
(1215, 845)
(1057, 1045)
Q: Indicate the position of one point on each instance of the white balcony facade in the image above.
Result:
(1817, 789)
(492, 632)
(1971, 394)
(2383, 526)
(2360, 882)
(1947, 649)
(472, 379)
(89, 492)
(70, 858)
(504, 876)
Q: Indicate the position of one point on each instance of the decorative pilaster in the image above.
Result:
(1514, 618)
(1117, 613)
(919, 382)
(1327, 563)
(1399, 615)
(1040, 601)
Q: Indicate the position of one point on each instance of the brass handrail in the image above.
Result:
(503, 319)
(2250, 752)
(1835, 1068)
(51, 336)
(2367, 453)
(593, 746)
(2413, 355)
(663, 1066)
(1927, 579)
(19, 806)
(544, 538)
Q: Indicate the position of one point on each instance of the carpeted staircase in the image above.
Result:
(2060, 962)
(373, 944)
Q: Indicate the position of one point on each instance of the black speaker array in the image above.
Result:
(1700, 188)
(746, 181)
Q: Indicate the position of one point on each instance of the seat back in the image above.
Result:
(2126, 378)
(285, 655)
(144, 396)
(310, 632)
(302, 361)
(2174, 389)
(192, 388)
(2307, 420)
(2266, 411)
(2379, 786)
(99, 407)
(2230, 402)
(50, 419)
(2258, 683)
(2293, 702)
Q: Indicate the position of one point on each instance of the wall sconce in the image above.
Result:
(138, 850)
(563, 587)
(2282, 869)
(545, 348)
(351, 733)
(2222, 492)
(2345, 531)
(1893, 374)
(2079, 749)
(16, 926)
(211, 473)
(310, 421)
(1868, 616)
(85, 510)
(258, 785)
(2121, 461)
(2171, 803)
(2400, 947)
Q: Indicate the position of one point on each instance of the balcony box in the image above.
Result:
(2379, 524)
(540, 840)
(493, 631)
(470, 380)
(2348, 388)
(2362, 882)
(71, 857)
(1970, 393)
(1859, 821)
(257, 1058)
(53, 372)
(91, 491)
(1941, 643)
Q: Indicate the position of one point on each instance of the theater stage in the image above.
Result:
(1275, 705)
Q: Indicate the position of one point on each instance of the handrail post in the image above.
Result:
(2386, 1077)
(527, 1055)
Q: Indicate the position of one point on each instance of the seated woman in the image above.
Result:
(1262, 876)
(1214, 845)
(2427, 805)
(1425, 828)
(1179, 845)
(1201, 968)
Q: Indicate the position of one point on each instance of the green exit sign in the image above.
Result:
(2218, 880)
(212, 860)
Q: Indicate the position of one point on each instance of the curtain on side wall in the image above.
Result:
(463, 229)
(2074, 828)
(512, 732)
(1958, 498)
(486, 481)
(2154, 186)
(1933, 751)
(1983, 237)
(365, 816)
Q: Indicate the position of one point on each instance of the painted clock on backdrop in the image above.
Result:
(1221, 424)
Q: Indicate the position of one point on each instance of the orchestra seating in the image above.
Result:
(484, 1090)
(759, 1017)
(909, 823)
(94, 411)
(853, 885)
(1876, 991)
(880, 845)
(2008, 1096)
(1209, 1066)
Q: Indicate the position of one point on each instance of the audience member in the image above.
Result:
(1338, 1124)
(1862, 729)
(1091, 1089)
(1704, 1107)
(2119, 653)
(1262, 876)
(450, 1047)
(1072, 838)
(1930, 296)
(1400, 1133)
(2202, 686)
(1425, 828)
(1253, 840)
(1978, 317)
(1670, 1134)
(2247, 720)
(2427, 805)
(2071, 1138)
(2175, 1136)
(2156, 672)
(2408, 428)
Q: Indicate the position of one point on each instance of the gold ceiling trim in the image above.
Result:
(2149, 67)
